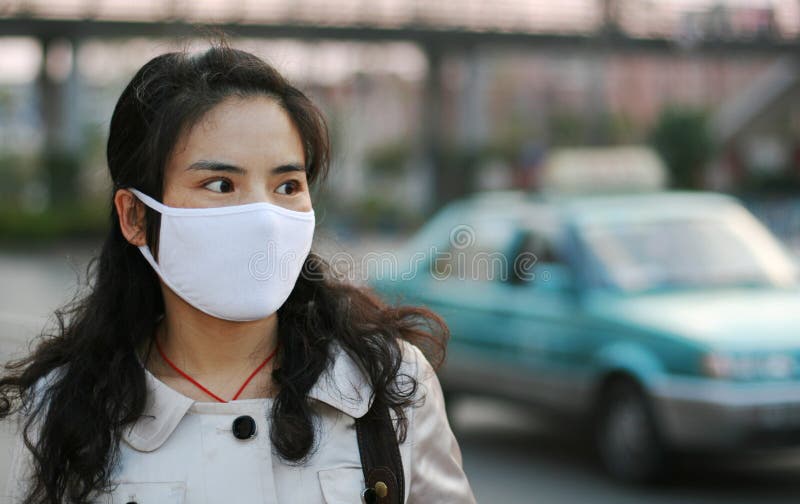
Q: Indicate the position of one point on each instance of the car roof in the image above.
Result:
(587, 208)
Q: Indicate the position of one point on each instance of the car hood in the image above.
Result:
(731, 319)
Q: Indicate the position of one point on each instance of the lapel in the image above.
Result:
(342, 385)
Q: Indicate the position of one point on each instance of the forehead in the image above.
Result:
(253, 131)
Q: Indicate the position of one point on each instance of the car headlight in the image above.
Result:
(774, 366)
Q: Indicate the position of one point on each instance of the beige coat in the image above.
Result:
(182, 451)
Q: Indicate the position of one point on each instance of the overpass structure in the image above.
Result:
(438, 28)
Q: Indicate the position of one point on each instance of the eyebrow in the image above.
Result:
(211, 165)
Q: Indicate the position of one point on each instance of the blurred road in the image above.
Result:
(508, 455)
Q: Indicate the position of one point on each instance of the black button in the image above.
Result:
(244, 427)
(369, 495)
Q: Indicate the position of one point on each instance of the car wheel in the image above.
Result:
(626, 435)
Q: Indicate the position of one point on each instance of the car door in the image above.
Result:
(541, 301)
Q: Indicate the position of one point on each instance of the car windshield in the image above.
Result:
(728, 248)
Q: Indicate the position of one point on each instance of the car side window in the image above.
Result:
(477, 251)
(531, 259)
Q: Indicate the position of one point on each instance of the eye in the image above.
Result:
(292, 186)
(220, 185)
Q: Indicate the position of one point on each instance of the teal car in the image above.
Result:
(670, 320)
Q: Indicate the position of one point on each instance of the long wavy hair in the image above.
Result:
(73, 424)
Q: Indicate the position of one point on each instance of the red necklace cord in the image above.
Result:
(198, 385)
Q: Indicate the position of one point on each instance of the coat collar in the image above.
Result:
(342, 385)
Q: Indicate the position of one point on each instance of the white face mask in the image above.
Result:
(233, 262)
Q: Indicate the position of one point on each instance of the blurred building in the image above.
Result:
(425, 100)
(759, 129)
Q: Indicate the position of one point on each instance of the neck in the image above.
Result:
(210, 348)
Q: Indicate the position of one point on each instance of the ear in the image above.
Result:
(131, 217)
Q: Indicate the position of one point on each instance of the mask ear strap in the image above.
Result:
(145, 250)
(147, 200)
(158, 207)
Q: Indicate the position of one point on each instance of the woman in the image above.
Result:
(215, 359)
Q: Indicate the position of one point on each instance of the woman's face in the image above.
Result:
(244, 150)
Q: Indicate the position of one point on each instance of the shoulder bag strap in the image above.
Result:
(380, 457)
